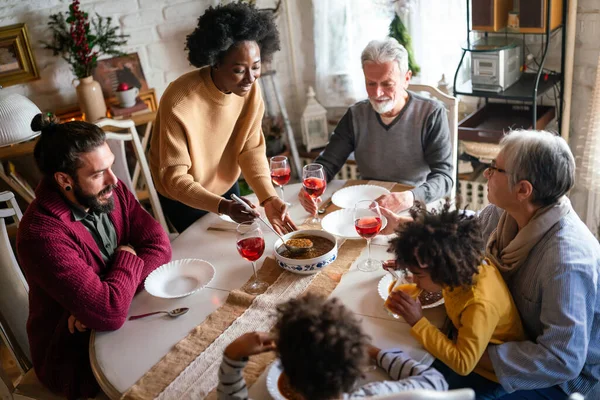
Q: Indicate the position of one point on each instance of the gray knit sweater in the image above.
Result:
(414, 149)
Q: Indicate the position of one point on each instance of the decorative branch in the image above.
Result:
(77, 44)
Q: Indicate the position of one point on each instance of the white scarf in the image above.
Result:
(508, 247)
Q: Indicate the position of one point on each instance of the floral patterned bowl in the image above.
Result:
(309, 265)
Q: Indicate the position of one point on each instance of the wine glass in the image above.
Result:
(251, 245)
(367, 221)
(313, 180)
(280, 172)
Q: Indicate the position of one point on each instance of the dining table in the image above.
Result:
(120, 358)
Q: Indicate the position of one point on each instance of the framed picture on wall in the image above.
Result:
(127, 69)
(17, 63)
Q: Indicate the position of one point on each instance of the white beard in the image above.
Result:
(382, 107)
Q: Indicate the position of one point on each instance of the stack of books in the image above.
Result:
(121, 113)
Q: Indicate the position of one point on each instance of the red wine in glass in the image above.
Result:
(281, 176)
(315, 187)
(251, 248)
(368, 223)
(368, 227)
(314, 183)
(280, 173)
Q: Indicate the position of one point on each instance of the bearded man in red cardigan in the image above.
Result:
(86, 246)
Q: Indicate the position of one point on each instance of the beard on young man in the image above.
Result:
(92, 201)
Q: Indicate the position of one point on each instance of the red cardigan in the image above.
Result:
(66, 275)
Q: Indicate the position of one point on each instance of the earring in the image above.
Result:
(68, 188)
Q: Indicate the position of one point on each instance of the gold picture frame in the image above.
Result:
(17, 63)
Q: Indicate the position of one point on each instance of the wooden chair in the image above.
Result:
(350, 169)
(14, 311)
(451, 104)
(116, 141)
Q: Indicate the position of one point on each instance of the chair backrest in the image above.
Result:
(458, 394)
(451, 104)
(14, 301)
(116, 142)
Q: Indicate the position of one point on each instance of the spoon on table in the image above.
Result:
(306, 243)
(173, 313)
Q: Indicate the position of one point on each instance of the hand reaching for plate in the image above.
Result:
(393, 220)
(397, 202)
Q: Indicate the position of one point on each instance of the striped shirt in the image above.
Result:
(406, 374)
(557, 292)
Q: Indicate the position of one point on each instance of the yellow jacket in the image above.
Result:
(482, 314)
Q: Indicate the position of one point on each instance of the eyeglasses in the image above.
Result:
(492, 168)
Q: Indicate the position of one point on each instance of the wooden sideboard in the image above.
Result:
(15, 180)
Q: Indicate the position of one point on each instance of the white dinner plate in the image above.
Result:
(383, 289)
(341, 223)
(275, 371)
(349, 196)
(179, 278)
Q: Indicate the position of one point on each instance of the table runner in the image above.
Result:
(190, 369)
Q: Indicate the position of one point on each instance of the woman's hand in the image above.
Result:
(236, 211)
(393, 220)
(249, 344)
(402, 304)
(276, 212)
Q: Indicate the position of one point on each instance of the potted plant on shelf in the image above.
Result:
(80, 41)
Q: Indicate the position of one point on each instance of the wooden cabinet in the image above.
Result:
(532, 15)
(490, 15)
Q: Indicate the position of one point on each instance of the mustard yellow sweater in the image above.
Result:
(483, 313)
(203, 138)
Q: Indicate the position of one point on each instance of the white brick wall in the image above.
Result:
(157, 30)
(587, 51)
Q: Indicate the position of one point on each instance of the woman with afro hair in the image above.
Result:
(208, 126)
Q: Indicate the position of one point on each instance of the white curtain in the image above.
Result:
(342, 30)
(344, 27)
(438, 29)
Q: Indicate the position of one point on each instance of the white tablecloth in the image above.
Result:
(121, 357)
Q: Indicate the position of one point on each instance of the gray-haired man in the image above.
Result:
(396, 135)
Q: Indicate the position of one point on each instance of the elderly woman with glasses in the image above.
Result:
(551, 264)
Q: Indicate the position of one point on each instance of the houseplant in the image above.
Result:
(80, 41)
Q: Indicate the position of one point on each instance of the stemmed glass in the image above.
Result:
(313, 180)
(280, 172)
(251, 245)
(367, 221)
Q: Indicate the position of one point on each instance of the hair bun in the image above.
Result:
(43, 121)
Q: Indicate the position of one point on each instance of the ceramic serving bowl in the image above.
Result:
(309, 265)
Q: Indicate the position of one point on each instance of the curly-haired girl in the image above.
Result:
(208, 127)
(444, 251)
(323, 351)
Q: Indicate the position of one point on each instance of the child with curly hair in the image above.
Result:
(323, 351)
(443, 251)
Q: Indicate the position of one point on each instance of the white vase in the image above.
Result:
(90, 99)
